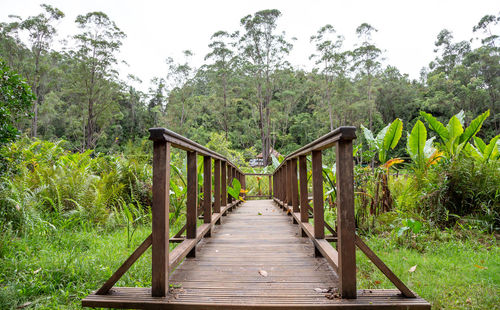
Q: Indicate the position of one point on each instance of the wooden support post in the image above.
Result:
(294, 185)
(288, 185)
(243, 184)
(346, 228)
(207, 190)
(160, 233)
(317, 181)
(229, 182)
(223, 184)
(191, 199)
(304, 199)
(217, 195)
(282, 185)
(271, 186)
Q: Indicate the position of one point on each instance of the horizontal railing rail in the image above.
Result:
(291, 193)
(270, 190)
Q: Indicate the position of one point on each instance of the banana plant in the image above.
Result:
(236, 190)
(421, 149)
(386, 139)
(485, 152)
(453, 137)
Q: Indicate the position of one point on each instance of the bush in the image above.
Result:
(464, 189)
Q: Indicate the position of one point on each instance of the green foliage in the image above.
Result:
(235, 190)
(453, 137)
(386, 139)
(16, 99)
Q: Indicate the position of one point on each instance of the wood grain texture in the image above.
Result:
(223, 185)
(207, 189)
(304, 203)
(317, 181)
(294, 185)
(227, 272)
(160, 215)
(346, 225)
(191, 197)
(217, 194)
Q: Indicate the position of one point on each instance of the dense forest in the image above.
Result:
(76, 162)
(246, 89)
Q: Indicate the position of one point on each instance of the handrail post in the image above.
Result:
(207, 191)
(229, 182)
(346, 228)
(244, 184)
(217, 194)
(271, 186)
(192, 199)
(318, 210)
(304, 199)
(160, 212)
(295, 185)
(288, 185)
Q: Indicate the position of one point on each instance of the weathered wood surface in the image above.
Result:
(227, 272)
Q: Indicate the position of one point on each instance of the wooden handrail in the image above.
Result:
(183, 143)
(287, 195)
(287, 192)
(163, 261)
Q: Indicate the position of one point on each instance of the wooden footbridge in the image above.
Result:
(255, 254)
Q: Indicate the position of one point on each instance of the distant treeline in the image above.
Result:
(246, 89)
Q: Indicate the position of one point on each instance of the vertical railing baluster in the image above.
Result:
(270, 186)
(317, 181)
(192, 198)
(288, 185)
(217, 187)
(160, 209)
(346, 228)
(229, 182)
(294, 185)
(207, 191)
(304, 199)
(223, 184)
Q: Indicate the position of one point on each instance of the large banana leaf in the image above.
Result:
(474, 127)
(455, 128)
(436, 126)
(369, 137)
(416, 143)
(391, 138)
(479, 143)
(491, 151)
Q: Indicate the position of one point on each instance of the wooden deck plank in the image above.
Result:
(224, 274)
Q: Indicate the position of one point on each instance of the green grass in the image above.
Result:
(451, 272)
(55, 270)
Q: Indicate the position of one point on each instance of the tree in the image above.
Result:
(41, 32)
(95, 56)
(223, 56)
(264, 51)
(331, 60)
(16, 99)
(366, 59)
(452, 54)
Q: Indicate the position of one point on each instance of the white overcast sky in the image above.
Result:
(158, 29)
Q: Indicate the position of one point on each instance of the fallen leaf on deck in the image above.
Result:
(263, 273)
(480, 267)
(321, 290)
(412, 269)
(259, 213)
